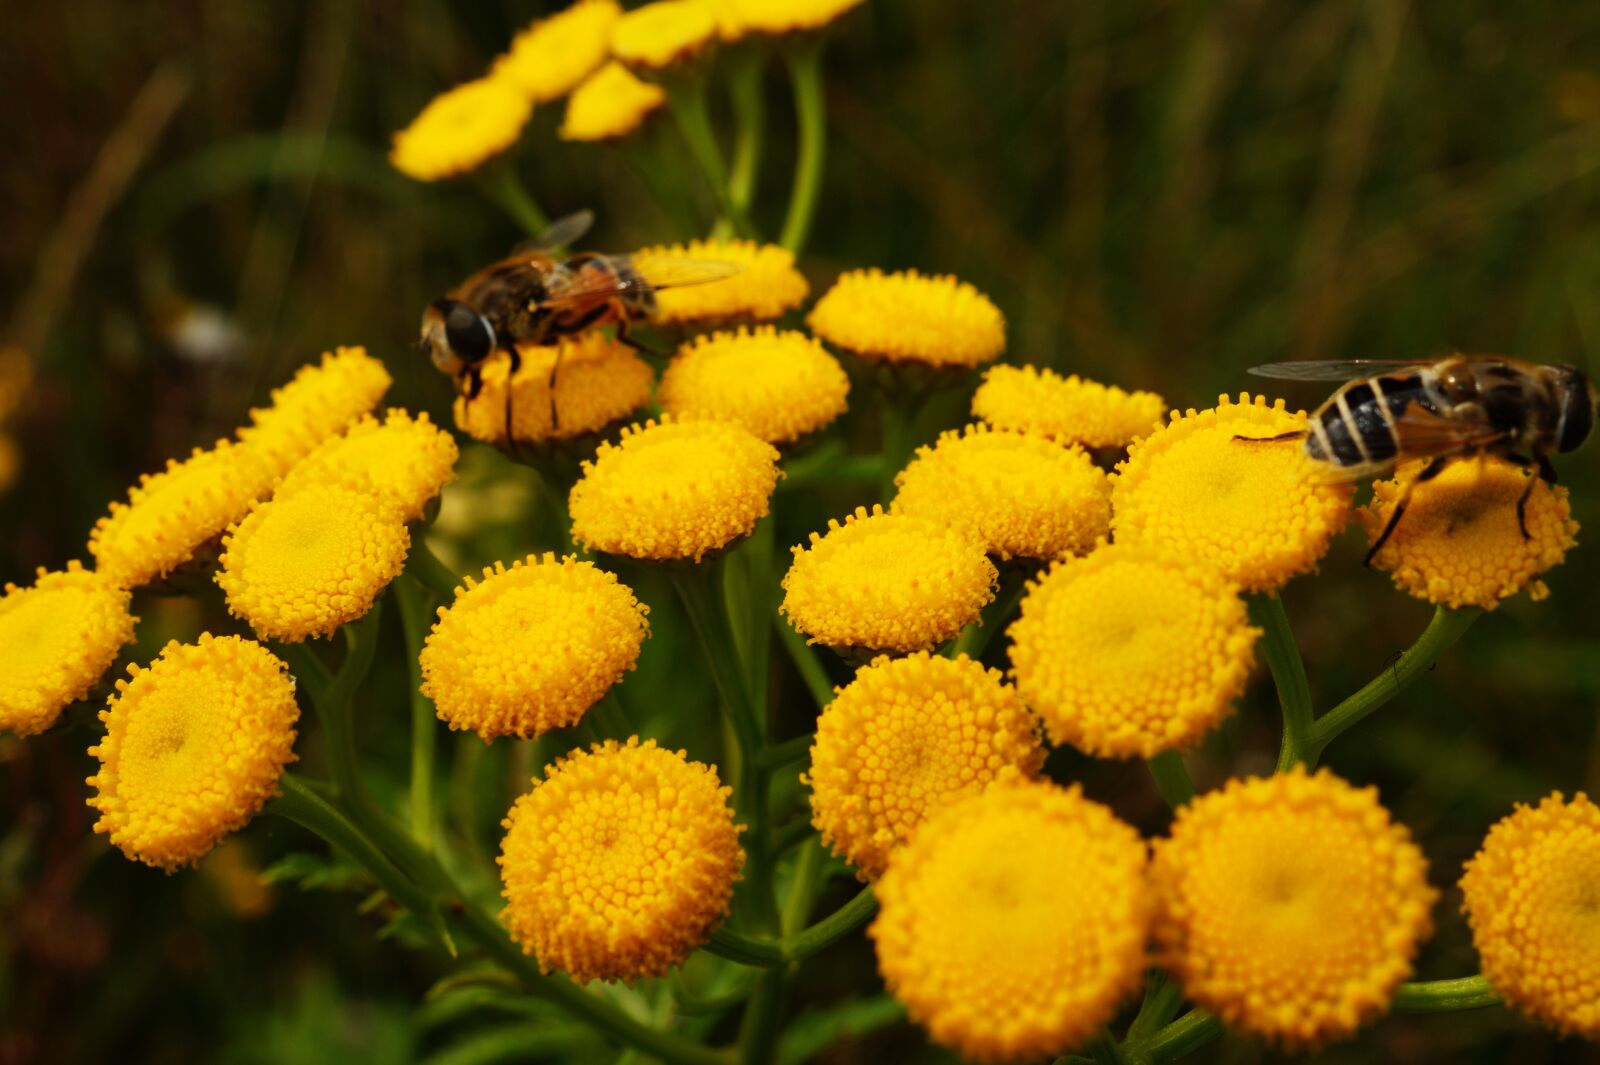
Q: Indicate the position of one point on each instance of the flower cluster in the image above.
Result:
(1027, 399)
(906, 317)
(779, 385)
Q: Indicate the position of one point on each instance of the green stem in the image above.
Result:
(749, 116)
(975, 639)
(425, 566)
(896, 445)
(781, 754)
(716, 643)
(1289, 675)
(808, 868)
(1183, 1036)
(755, 951)
(552, 501)
(500, 181)
(811, 114)
(1172, 778)
(761, 1025)
(1103, 1050)
(611, 719)
(1442, 996)
(806, 662)
(416, 604)
(1162, 999)
(688, 101)
(834, 927)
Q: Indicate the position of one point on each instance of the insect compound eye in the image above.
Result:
(1577, 397)
(469, 333)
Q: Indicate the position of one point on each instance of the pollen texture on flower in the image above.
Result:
(1261, 512)
(611, 103)
(530, 648)
(664, 34)
(778, 385)
(406, 459)
(767, 285)
(549, 58)
(1027, 399)
(461, 129)
(320, 401)
(194, 746)
(1013, 923)
(744, 17)
(909, 317)
(598, 381)
(1291, 906)
(620, 862)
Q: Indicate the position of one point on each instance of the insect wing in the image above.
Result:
(1332, 370)
(677, 273)
(559, 234)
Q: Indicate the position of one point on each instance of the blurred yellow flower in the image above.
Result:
(1028, 399)
(1291, 906)
(907, 317)
(664, 34)
(405, 459)
(322, 400)
(743, 17)
(778, 385)
(611, 103)
(1013, 923)
(57, 637)
(461, 129)
(1458, 543)
(768, 285)
(598, 382)
(1533, 899)
(194, 746)
(620, 862)
(549, 58)
(1019, 495)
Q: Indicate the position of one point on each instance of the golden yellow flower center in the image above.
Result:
(56, 639)
(908, 317)
(1040, 402)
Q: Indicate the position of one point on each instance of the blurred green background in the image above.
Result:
(1157, 194)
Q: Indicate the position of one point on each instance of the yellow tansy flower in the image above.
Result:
(1458, 543)
(778, 385)
(405, 459)
(56, 639)
(1019, 495)
(194, 746)
(1260, 512)
(322, 400)
(887, 582)
(530, 648)
(1291, 906)
(1027, 399)
(742, 17)
(598, 382)
(553, 55)
(675, 490)
(1013, 923)
(1128, 653)
(1533, 898)
(461, 129)
(906, 317)
(611, 103)
(767, 287)
(905, 739)
(620, 862)
(304, 565)
(664, 34)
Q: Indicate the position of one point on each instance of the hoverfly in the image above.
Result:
(1453, 407)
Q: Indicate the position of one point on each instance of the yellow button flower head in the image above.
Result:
(598, 382)
(172, 514)
(1014, 922)
(1019, 495)
(322, 400)
(194, 746)
(906, 317)
(620, 862)
(553, 55)
(530, 648)
(905, 739)
(405, 459)
(1291, 906)
(1128, 653)
(744, 17)
(1458, 543)
(778, 385)
(461, 129)
(767, 287)
(664, 34)
(675, 490)
(887, 582)
(56, 639)
(611, 103)
(1260, 512)
(1027, 399)
(304, 565)
(1533, 898)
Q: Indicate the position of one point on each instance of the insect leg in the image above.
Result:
(511, 372)
(635, 343)
(1298, 434)
(1434, 467)
(1547, 474)
(474, 379)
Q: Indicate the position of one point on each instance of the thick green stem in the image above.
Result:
(811, 114)
(1444, 996)
(808, 878)
(500, 181)
(1103, 1050)
(416, 604)
(975, 639)
(896, 444)
(1182, 1037)
(1172, 778)
(688, 101)
(781, 754)
(425, 566)
(1163, 997)
(610, 718)
(755, 951)
(834, 927)
(1289, 675)
(749, 116)
(806, 662)
(716, 643)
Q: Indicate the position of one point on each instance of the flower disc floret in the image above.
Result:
(620, 862)
(598, 381)
(906, 738)
(887, 582)
(549, 58)
(741, 18)
(673, 491)
(907, 317)
(1127, 653)
(767, 285)
(194, 746)
(405, 459)
(321, 400)
(1072, 410)
(302, 566)
(1013, 923)
(778, 385)
(1533, 899)
(1019, 495)
(1291, 906)
(1261, 512)
(461, 129)
(530, 648)
(664, 34)
(1458, 543)
(57, 637)
(612, 103)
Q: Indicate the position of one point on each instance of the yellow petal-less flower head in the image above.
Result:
(908, 317)
(1021, 496)
(1260, 512)
(1127, 652)
(1458, 543)
(886, 582)
(302, 566)
(530, 648)
(57, 637)
(321, 400)
(778, 385)
(664, 34)
(611, 103)
(194, 746)
(673, 491)
(552, 56)
(766, 287)
(1291, 906)
(461, 129)
(620, 862)
(906, 738)
(598, 381)
(1533, 899)
(1014, 922)
(170, 515)
(406, 459)
(1072, 410)
(741, 18)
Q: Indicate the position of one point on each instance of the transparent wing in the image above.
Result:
(601, 279)
(1331, 370)
(559, 234)
(676, 273)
